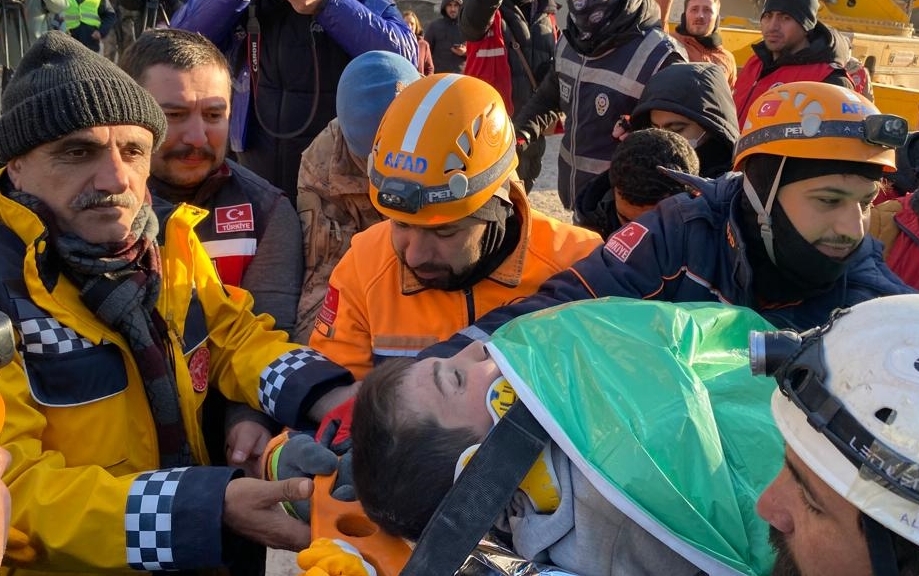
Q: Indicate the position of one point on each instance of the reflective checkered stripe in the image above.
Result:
(148, 520)
(273, 378)
(48, 336)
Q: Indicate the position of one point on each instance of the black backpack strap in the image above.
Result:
(482, 491)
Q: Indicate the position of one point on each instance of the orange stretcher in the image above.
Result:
(331, 518)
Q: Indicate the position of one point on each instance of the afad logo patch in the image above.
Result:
(327, 313)
(198, 368)
(234, 219)
(625, 240)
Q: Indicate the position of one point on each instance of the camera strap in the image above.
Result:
(253, 39)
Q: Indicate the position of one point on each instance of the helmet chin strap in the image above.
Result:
(764, 214)
(880, 547)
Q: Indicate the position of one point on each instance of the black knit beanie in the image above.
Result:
(803, 11)
(61, 87)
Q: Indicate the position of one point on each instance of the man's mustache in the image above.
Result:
(89, 200)
(188, 152)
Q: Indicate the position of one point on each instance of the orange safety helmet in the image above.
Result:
(444, 147)
(822, 122)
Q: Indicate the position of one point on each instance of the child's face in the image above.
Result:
(453, 390)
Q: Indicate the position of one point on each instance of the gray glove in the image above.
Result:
(299, 456)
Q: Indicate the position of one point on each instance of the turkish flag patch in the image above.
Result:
(768, 108)
(625, 240)
(234, 219)
(327, 313)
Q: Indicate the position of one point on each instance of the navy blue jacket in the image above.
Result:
(690, 249)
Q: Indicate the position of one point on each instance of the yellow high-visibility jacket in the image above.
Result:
(85, 479)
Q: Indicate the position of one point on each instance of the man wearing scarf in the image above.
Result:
(122, 326)
(698, 32)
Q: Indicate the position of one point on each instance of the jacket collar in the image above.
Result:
(510, 272)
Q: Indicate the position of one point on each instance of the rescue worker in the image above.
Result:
(846, 500)
(251, 231)
(784, 236)
(459, 240)
(460, 237)
(332, 200)
(795, 47)
(120, 319)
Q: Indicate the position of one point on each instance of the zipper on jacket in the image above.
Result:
(470, 306)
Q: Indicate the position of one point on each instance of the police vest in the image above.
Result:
(85, 12)
(594, 92)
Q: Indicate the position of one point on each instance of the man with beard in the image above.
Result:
(698, 32)
(846, 501)
(784, 235)
(251, 232)
(448, 47)
(123, 331)
(795, 47)
(460, 239)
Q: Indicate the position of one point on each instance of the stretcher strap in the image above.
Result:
(479, 495)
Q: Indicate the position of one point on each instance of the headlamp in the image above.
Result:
(886, 130)
(402, 195)
(797, 363)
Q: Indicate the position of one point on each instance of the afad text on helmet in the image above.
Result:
(855, 108)
(407, 162)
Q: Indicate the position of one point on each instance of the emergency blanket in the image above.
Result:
(656, 404)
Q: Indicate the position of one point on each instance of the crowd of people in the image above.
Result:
(272, 222)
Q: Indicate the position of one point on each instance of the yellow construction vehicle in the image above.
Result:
(880, 33)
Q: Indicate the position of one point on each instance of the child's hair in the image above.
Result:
(633, 170)
(403, 463)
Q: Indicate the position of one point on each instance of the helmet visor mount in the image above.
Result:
(802, 379)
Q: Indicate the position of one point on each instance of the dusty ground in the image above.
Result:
(545, 199)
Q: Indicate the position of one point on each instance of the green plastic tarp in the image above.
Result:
(655, 403)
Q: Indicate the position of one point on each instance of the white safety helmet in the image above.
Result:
(848, 405)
